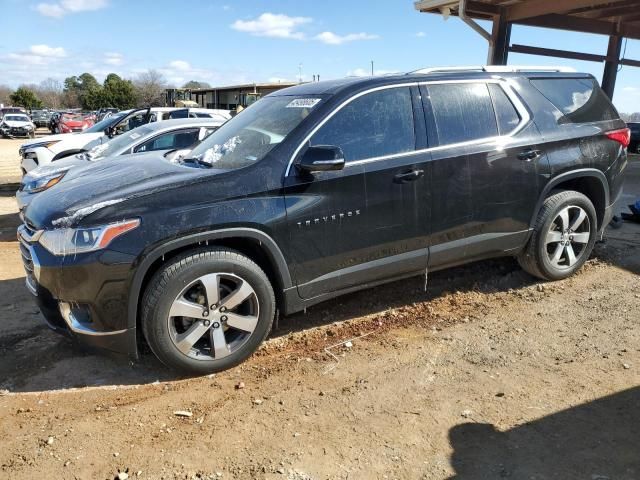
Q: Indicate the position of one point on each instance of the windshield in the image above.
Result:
(16, 118)
(104, 123)
(249, 136)
(116, 145)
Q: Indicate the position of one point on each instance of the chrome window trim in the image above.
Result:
(506, 85)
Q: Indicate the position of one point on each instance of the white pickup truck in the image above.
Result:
(44, 150)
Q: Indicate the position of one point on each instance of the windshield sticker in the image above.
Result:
(303, 103)
(134, 136)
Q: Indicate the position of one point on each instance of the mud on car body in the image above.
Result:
(319, 190)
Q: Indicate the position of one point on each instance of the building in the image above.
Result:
(228, 97)
(617, 19)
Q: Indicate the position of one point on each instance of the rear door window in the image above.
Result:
(579, 100)
(463, 112)
(506, 114)
(376, 124)
(169, 141)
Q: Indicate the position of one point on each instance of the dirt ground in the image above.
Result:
(488, 374)
(10, 159)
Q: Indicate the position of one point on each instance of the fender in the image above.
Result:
(572, 175)
(271, 247)
(67, 153)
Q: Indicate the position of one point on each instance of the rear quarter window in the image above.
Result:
(463, 112)
(579, 100)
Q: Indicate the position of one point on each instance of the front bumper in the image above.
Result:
(18, 131)
(84, 296)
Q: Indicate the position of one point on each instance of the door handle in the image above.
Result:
(409, 176)
(529, 155)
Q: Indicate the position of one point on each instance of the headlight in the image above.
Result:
(40, 144)
(42, 183)
(70, 241)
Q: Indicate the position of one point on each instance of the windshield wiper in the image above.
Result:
(197, 161)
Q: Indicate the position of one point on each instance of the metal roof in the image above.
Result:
(606, 17)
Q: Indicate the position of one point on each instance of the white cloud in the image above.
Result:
(273, 25)
(331, 38)
(50, 10)
(113, 58)
(47, 51)
(59, 10)
(421, 34)
(37, 55)
(180, 65)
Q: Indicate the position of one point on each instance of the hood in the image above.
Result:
(58, 166)
(14, 123)
(87, 189)
(74, 123)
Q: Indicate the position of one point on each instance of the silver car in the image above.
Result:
(159, 137)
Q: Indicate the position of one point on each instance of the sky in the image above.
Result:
(224, 42)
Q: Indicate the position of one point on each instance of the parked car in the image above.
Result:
(53, 122)
(5, 110)
(634, 146)
(73, 123)
(159, 137)
(41, 118)
(319, 190)
(17, 125)
(105, 112)
(51, 148)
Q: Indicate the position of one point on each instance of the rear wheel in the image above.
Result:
(207, 310)
(563, 237)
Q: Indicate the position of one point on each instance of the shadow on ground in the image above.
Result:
(599, 440)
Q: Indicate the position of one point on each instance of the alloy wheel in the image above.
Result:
(213, 316)
(568, 236)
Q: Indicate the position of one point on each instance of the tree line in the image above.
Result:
(85, 92)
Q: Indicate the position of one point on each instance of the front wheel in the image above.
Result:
(563, 237)
(207, 310)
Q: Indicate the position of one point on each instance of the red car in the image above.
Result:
(71, 123)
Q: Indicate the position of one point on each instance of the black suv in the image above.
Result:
(319, 190)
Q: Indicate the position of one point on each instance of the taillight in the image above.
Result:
(622, 136)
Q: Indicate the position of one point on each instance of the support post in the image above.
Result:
(611, 65)
(501, 35)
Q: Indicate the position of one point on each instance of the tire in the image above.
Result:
(224, 337)
(558, 234)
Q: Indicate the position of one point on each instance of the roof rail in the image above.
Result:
(494, 69)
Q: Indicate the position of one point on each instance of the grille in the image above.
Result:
(27, 262)
(27, 258)
(76, 130)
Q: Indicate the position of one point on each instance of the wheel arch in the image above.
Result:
(256, 244)
(589, 181)
(67, 153)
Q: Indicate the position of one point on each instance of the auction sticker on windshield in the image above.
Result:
(303, 103)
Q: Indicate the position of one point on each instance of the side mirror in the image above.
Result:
(321, 158)
(110, 132)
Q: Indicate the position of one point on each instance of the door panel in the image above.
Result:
(367, 222)
(483, 188)
(326, 215)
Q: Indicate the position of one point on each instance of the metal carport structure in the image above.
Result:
(618, 19)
